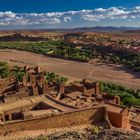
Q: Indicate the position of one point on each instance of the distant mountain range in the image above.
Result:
(96, 29)
(87, 29)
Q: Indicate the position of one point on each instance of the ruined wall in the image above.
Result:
(89, 92)
(79, 117)
(119, 120)
(87, 88)
(78, 88)
(7, 84)
(15, 97)
(115, 119)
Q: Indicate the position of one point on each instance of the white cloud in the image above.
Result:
(7, 14)
(90, 17)
(66, 19)
(100, 14)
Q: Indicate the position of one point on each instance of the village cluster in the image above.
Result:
(33, 99)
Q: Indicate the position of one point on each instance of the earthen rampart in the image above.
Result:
(78, 117)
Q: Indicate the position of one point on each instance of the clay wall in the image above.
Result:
(78, 88)
(83, 89)
(6, 83)
(97, 88)
(115, 119)
(119, 120)
(15, 97)
(89, 92)
(32, 80)
(78, 117)
(87, 88)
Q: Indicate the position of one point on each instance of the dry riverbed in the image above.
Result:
(74, 70)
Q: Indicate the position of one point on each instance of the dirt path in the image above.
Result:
(74, 70)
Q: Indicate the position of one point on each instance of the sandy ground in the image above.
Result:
(74, 70)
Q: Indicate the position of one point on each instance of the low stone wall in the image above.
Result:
(78, 117)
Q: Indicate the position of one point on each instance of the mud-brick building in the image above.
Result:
(85, 87)
(7, 84)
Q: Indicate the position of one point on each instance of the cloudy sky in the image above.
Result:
(15, 14)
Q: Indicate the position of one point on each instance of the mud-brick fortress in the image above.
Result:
(33, 104)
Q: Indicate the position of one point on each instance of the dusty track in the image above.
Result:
(74, 70)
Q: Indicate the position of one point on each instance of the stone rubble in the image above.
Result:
(91, 134)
